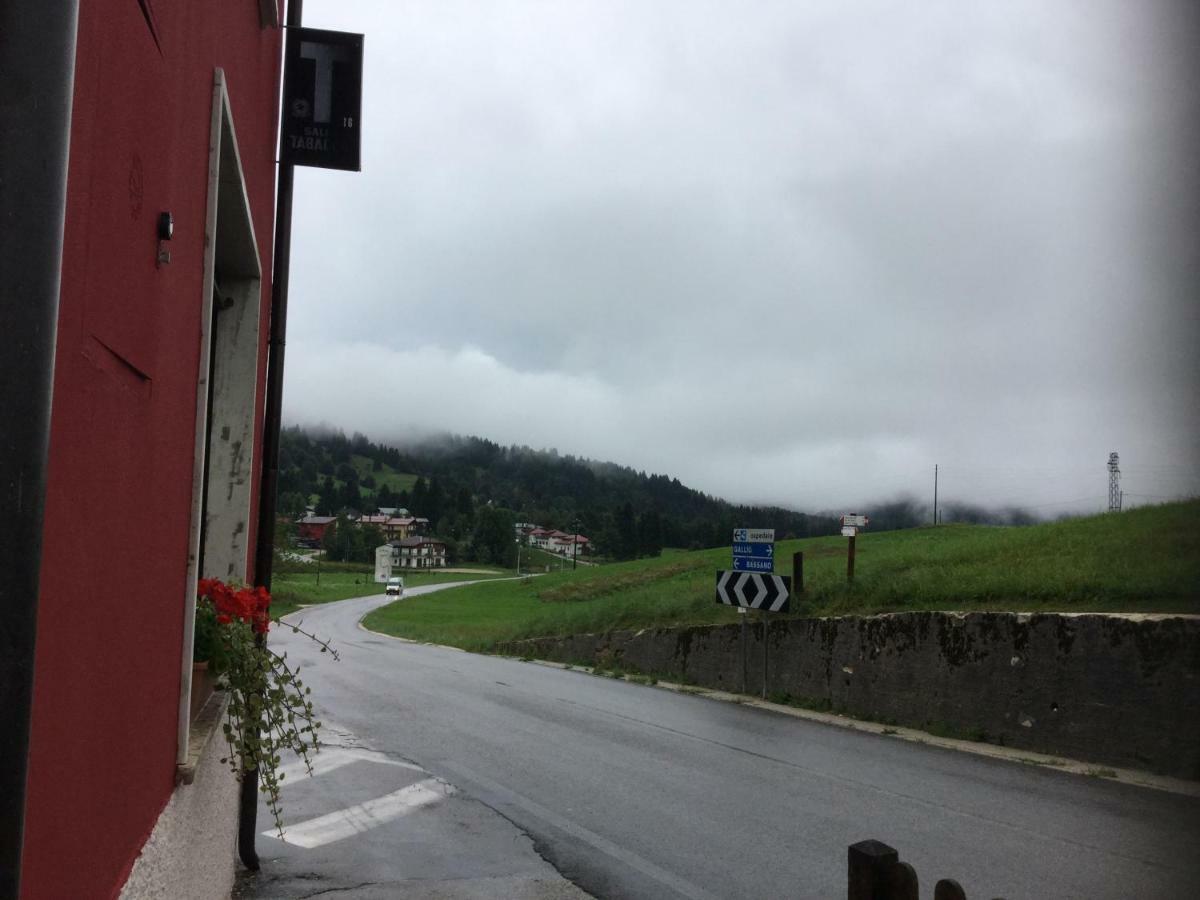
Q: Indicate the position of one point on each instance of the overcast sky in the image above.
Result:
(792, 252)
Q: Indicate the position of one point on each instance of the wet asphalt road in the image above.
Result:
(635, 791)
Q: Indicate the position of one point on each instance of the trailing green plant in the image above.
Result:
(269, 707)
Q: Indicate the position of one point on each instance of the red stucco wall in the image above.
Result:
(102, 756)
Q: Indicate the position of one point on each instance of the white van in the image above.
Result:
(395, 587)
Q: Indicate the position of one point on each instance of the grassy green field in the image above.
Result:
(536, 560)
(1144, 560)
(297, 586)
(396, 481)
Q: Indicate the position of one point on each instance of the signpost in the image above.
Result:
(322, 99)
(851, 522)
(752, 584)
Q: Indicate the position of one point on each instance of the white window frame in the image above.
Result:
(229, 246)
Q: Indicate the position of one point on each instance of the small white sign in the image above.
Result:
(856, 520)
(753, 535)
(849, 531)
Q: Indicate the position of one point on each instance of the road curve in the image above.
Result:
(634, 791)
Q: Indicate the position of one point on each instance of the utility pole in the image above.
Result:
(935, 479)
(575, 546)
(1114, 482)
(272, 418)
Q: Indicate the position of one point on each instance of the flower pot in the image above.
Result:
(203, 684)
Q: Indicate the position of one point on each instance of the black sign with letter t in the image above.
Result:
(322, 99)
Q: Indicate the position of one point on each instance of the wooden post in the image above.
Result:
(902, 882)
(850, 560)
(742, 614)
(949, 889)
(868, 865)
(797, 573)
(766, 624)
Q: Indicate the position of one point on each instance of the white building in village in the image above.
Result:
(558, 542)
(408, 554)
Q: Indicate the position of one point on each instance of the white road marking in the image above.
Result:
(334, 758)
(352, 820)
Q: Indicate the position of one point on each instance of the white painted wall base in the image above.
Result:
(193, 847)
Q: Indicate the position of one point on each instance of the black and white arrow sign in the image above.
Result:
(754, 590)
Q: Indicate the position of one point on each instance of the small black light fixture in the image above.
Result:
(166, 230)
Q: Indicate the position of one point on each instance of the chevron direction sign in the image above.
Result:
(754, 590)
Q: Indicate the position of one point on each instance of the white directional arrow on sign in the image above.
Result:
(754, 590)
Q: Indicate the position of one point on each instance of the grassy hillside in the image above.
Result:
(1144, 560)
(385, 477)
(534, 559)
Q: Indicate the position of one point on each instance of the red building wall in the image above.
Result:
(310, 531)
(103, 744)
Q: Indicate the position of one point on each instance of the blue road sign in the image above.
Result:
(750, 564)
(756, 550)
(741, 535)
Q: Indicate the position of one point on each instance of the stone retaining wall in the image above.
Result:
(1120, 690)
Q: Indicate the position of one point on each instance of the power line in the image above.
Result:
(1155, 496)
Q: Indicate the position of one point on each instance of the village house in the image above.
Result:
(401, 527)
(553, 541)
(311, 529)
(540, 537)
(412, 553)
(568, 544)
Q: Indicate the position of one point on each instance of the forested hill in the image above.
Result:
(625, 512)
